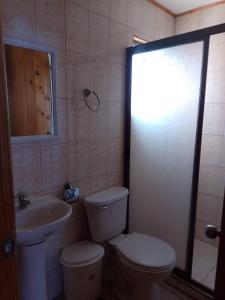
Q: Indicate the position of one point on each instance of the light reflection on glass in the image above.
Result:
(158, 86)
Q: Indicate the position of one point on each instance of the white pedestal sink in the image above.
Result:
(34, 224)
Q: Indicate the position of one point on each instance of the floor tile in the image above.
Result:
(204, 263)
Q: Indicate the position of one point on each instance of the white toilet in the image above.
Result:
(145, 259)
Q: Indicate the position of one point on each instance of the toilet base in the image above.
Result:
(146, 292)
(126, 288)
(139, 292)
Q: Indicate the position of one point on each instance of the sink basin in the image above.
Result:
(44, 216)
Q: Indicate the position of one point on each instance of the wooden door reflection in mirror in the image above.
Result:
(29, 81)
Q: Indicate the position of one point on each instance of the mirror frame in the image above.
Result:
(38, 47)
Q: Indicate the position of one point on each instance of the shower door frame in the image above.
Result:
(202, 35)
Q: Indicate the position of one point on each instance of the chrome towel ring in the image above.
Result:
(86, 94)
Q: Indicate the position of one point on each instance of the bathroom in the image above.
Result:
(89, 38)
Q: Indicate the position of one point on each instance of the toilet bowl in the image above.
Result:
(144, 259)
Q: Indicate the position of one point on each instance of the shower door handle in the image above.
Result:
(212, 232)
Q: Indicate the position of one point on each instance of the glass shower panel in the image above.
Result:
(164, 111)
(212, 166)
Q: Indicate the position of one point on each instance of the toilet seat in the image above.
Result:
(145, 253)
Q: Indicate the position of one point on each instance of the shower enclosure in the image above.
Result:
(174, 96)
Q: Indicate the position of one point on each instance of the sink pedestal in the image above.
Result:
(32, 271)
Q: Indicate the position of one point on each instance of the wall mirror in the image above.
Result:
(30, 82)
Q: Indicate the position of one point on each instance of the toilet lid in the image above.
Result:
(81, 253)
(107, 196)
(146, 251)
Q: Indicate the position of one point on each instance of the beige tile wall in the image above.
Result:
(212, 171)
(90, 37)
(200, 19)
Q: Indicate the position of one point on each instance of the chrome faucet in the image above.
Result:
(23, 201)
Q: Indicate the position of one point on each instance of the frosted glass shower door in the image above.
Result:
(165, 91)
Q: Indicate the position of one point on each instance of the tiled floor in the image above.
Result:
(204, 263)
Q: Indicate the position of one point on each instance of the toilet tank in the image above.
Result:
(106, 211)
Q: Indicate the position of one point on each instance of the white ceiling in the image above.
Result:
(180, 6)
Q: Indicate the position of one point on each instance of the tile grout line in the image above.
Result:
(89, 112)
(65, 57)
